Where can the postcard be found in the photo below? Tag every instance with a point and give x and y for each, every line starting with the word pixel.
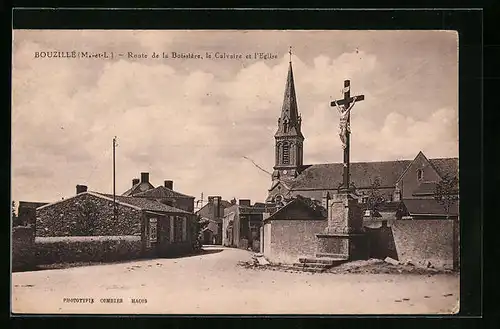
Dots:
pixel 235 172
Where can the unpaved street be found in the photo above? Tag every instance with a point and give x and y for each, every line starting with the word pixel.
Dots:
pixel 214 283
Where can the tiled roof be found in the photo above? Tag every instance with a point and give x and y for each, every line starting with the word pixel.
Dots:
pixel 329 176
pixel 425 188
pixel 428 207
pixel 161 192
pixel 138 188
pixel 146 204
pixel 445 165
pixel 317 211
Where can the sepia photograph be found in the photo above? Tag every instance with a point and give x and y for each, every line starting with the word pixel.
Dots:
pixel 235 172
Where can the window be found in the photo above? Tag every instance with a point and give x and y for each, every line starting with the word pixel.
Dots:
pixel 178 229
pixel 420 174
pixel 172 228
pixel 286 153
pixel 152 231
pixel 184 229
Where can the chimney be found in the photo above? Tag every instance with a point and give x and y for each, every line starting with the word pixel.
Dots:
pixel 169 184
pixel 81 189
pixel 135 181
pixel 324 200
pixel 233 201
pixel 217 206
pixel 144 177
pixel 245 202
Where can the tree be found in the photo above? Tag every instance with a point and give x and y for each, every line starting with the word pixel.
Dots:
pixel 14 216
pixel 374 197
pixel 446 195
pixel 446 192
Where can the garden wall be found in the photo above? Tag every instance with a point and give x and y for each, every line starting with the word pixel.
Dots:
pixel 50 250
pixel 23 251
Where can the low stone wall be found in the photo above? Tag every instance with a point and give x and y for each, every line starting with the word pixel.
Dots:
pixel 424 241
pixel 50 250
pixel 291 239
pixel 23 251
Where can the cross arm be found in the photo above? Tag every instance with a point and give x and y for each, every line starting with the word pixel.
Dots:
pixel 348 101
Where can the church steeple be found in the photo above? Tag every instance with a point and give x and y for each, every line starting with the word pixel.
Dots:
pixel 288 137
pixel 289 122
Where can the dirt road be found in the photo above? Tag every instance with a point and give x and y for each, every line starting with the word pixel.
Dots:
pixel 214 283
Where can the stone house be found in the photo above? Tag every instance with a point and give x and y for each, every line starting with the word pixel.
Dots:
pixel 241 224
pixel 213 212
pixel 163 229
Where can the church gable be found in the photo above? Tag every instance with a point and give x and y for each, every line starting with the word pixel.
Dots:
pixel 419 171
pixel 278 188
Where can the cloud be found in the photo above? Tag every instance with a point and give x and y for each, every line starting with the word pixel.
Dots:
pixel 194 126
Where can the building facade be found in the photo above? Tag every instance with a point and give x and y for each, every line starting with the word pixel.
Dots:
pixel 242 222
pixel 213 212
pixel 163 229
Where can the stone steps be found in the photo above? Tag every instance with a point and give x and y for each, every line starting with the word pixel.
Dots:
pixel 318 264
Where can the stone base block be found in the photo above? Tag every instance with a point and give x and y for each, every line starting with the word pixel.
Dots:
pixel 342 246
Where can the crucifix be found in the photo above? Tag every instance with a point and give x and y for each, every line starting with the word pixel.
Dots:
pixel 344 107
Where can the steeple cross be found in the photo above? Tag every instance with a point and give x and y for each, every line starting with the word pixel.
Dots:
pixel 290 52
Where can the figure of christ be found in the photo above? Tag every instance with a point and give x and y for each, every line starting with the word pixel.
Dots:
pixel 344 127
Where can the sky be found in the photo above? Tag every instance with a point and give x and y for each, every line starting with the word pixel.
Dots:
pixel 194 120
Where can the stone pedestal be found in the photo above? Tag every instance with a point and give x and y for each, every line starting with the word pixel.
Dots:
pixel 343 237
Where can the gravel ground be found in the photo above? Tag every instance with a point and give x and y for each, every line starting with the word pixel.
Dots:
pixel 216 283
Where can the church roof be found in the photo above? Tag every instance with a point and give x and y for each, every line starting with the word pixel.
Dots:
pixel 445 166
pixel 329 175
pixel 161 192
pixel 289 109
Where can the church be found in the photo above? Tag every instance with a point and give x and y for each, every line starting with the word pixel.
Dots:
pixel 397 180
pixel 309 223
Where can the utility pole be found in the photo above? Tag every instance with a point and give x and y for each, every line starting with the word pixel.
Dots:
pixel 114 179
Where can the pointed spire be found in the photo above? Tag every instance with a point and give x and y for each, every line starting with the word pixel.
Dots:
pixel 289 111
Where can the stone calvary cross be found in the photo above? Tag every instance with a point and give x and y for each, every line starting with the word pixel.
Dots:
pixel 344 106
